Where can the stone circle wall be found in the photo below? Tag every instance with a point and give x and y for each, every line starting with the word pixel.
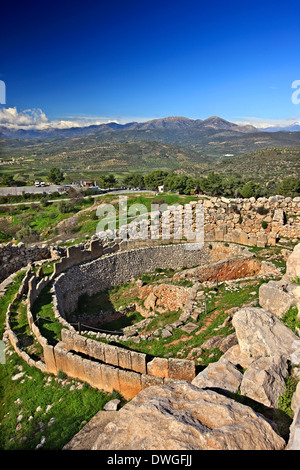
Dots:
pixel 117 268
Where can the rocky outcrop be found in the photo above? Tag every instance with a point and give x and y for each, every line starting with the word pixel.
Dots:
pixel 264 380
pixel 221 375
pixel 85 439
pixel 279 296
pixel 162 298
pixel 182 416
pixel 294 439
pixel 260 333
pixel 293 265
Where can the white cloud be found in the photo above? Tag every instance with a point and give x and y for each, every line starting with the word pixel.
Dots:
pixel 36 119
pixel 262 123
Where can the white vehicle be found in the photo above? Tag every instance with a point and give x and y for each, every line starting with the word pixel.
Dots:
pixel 37 183
pixel 43 183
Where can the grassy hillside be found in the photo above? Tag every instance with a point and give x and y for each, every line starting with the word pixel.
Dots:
pixel 264 165
pixel 83 158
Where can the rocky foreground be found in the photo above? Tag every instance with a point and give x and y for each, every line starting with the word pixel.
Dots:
pixel 202 415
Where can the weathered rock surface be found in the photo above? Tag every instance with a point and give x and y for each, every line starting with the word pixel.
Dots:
pixel 294 439
pixel 279 296
pixel 220 375
pixel 237 357
pixel 162 298
pixel 88 435
pixel 296 398
pixel 182 416
pixel 264 381
pixel 293 264
pixel 260 333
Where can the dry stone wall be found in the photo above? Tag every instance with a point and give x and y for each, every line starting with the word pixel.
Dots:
pixel 14 257
pixel 103 366
pixel 117 268
pixel 254 222
pixel 240 220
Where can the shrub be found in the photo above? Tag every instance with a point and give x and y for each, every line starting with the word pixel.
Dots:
pixel 61 375
pixel 262 210
pixel 27 234
pixel 65 207
pixel 264 224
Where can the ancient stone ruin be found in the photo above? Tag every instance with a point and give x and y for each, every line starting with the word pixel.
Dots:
pixel 201 407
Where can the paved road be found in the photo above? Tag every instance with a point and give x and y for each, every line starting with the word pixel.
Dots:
pixel 122 191
pixel 19 190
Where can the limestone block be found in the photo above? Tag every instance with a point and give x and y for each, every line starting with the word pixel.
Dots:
pixel 124 358
pixel 158 367
pixel 110 378
pixel 138 362
pixel 76 367
pixel 293 264
pixel 88 435
pixel 181 369
pixel 111 354
pixel 220 375
pixel 130 384
pixel 274 297
pixel 260 333
pixel 219 235
pixel 93 373
pixel 264 381
pixel 181 416
pixel 151 380
pixel 96 349
pixel 49 358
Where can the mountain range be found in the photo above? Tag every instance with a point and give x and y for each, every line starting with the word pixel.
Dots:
pixel 295 127
pixel 168 123
pixel 212 137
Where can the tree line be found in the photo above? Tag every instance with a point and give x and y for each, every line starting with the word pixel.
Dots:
pixel 214 184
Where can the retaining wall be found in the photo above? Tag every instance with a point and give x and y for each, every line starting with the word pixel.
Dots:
pixel 118 268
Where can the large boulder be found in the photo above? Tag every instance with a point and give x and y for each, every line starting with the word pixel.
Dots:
pixel 296 398
pixel 221 375
pixel 87 436
pixel 237 357
pixel 264 380
pixel 294 437
pixel 182 416
pixel 293 264
pixel 279 296
pixel 260 333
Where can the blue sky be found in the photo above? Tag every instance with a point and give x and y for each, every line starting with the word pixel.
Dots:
pixel 91 61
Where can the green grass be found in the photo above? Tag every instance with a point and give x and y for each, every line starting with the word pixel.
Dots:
pixel 70 409
pixel 130 319
pixel 7 298
pixel 43 315
pixel 107 300
pixel 162 320
pixel 290 319
pixel 20 327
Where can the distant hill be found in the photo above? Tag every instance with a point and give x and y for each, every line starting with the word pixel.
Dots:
pixel 85 155
pixel 213 137
pixel 292 128
pixel 168 123
pixel 263 165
